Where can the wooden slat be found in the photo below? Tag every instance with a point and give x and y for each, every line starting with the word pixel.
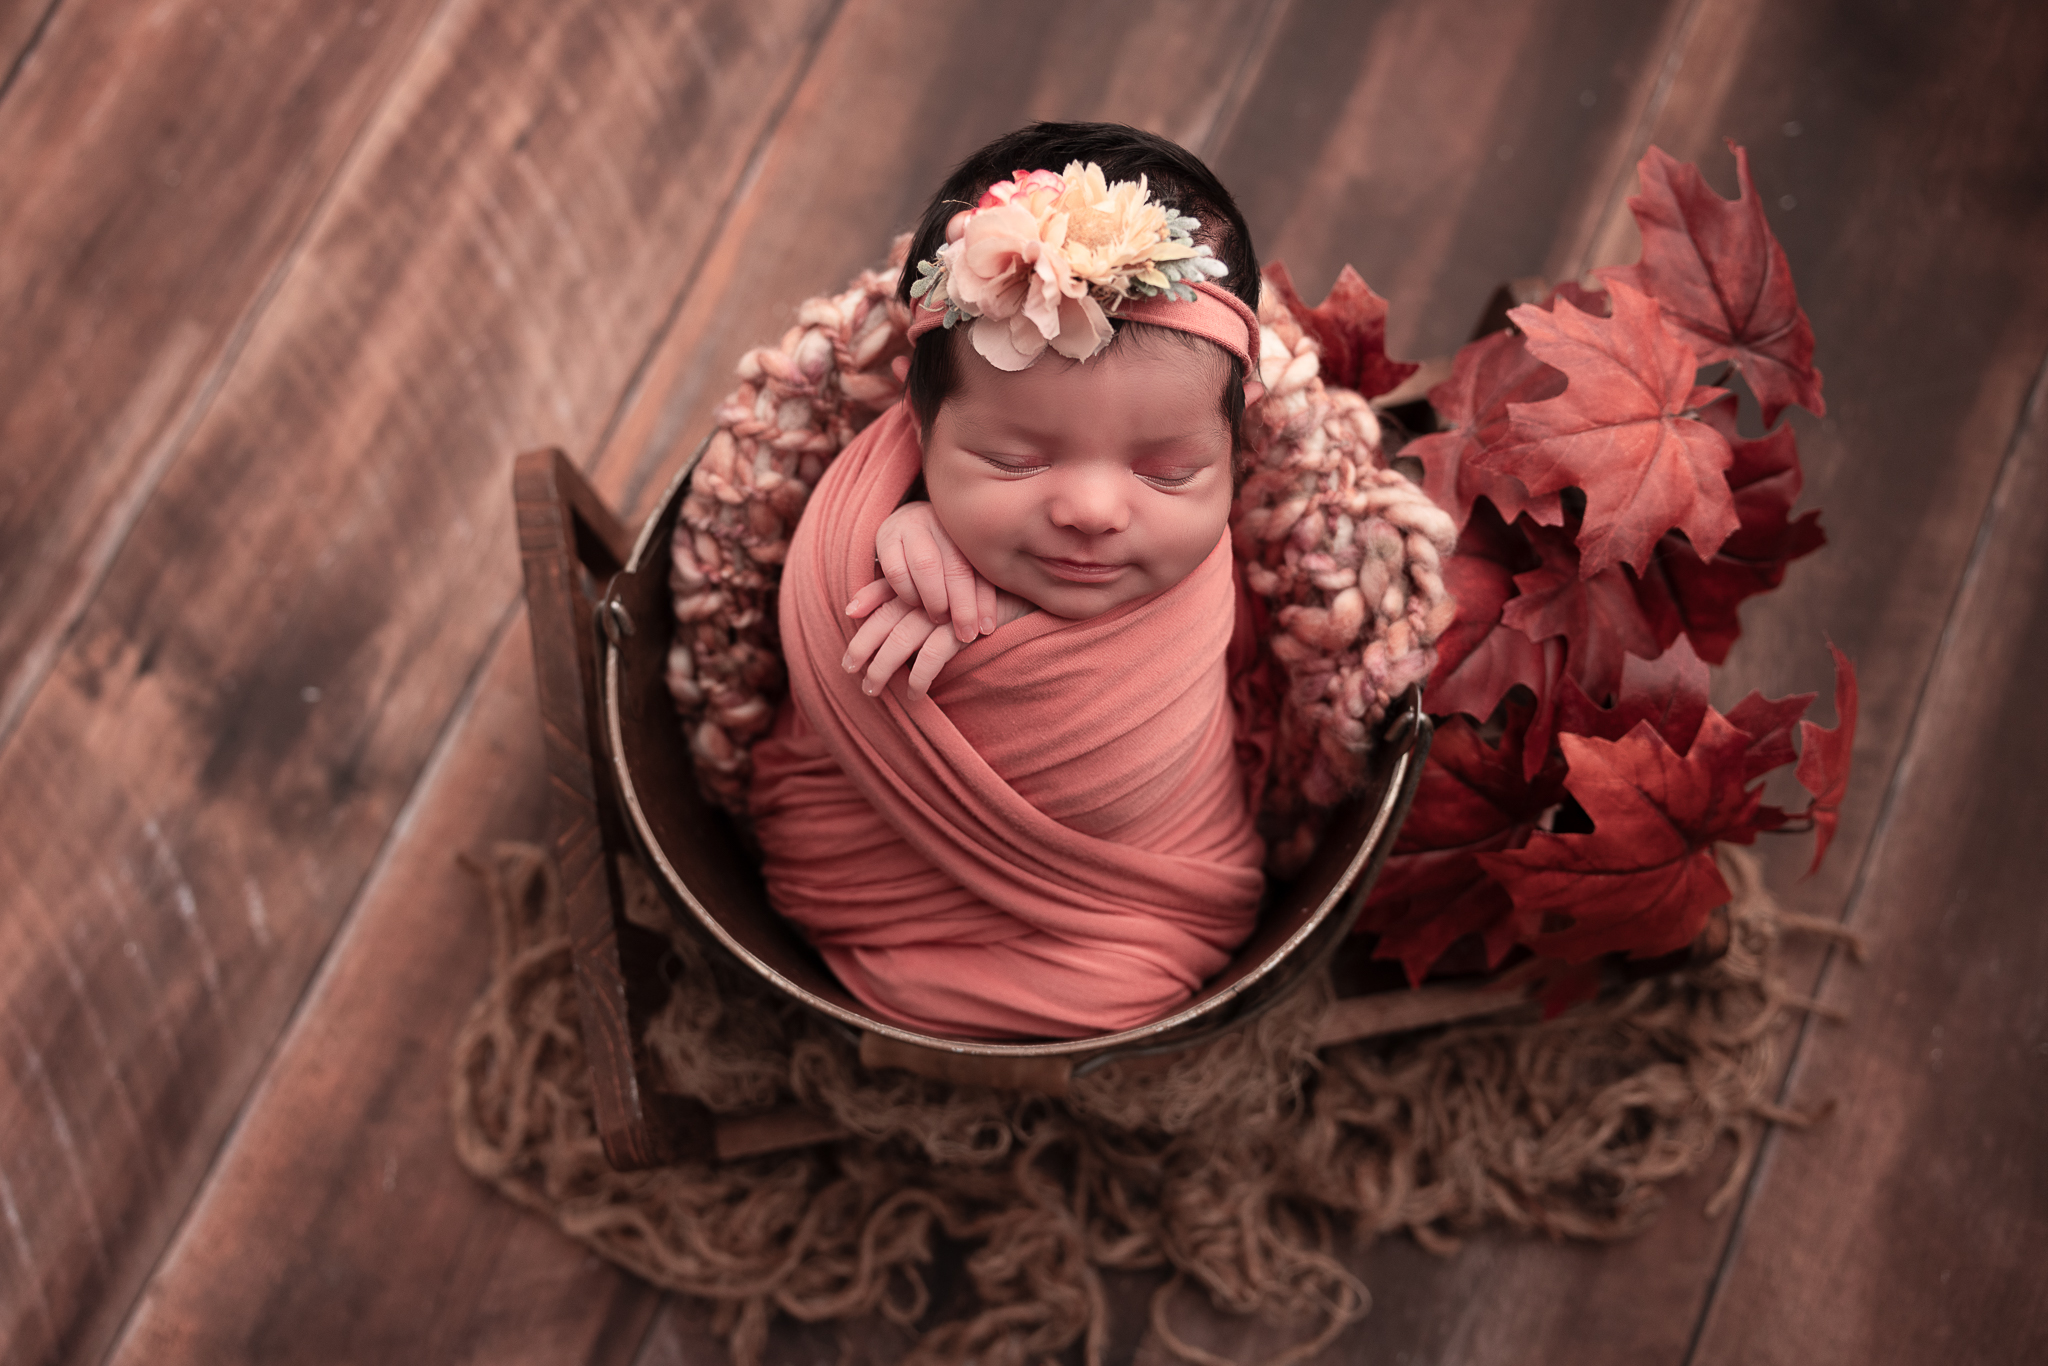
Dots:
pixel 1930 299
pixel 157 162
pixel 1441 148
pixel 1914 1228
pixel 340 1227
pixel 20 21
pixel 197 794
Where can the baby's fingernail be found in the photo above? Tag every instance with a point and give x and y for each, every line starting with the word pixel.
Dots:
pixel 988 624
pixel 847 663
pixel 964 632
pixel 868 688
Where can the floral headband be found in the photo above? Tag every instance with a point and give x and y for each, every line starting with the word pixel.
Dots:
pixel 1046 259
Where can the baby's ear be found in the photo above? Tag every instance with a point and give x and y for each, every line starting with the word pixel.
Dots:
pixel 1254 390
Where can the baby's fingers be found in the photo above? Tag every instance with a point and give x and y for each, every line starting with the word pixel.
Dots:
pixel 869 598
pixel 938 651
pixel 964 594
pixel 903 641
pixel 873 632
pixel 985 604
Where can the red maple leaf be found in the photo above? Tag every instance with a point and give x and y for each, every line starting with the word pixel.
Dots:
pixel 1599 616
pixel 1622 430
pixel 1683 594
pixel 1768 722
pixel 1472 405
pixel 1669 692
pixel 1644 881
pixel 1473 797
pixel 1824 757
pixel 1351 327
pixel 1478 659
pixel 1723 280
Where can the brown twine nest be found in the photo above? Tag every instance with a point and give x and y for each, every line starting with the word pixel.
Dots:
pixel 1238 1165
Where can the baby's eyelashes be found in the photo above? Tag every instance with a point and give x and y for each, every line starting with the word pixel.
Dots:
pixel 1008 466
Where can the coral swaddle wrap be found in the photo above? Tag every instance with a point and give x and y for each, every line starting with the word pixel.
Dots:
pixel 1055 843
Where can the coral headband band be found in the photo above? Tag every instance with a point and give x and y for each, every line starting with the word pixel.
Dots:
pixel 1216 315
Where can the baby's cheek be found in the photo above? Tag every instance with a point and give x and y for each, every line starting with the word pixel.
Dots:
pixel 968 524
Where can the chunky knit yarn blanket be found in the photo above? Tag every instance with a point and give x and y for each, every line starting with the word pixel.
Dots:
pixel 1343 552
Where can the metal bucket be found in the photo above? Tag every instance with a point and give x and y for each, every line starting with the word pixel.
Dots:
pixel 704 869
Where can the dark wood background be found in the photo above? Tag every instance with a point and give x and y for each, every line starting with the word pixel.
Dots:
pixel 283 287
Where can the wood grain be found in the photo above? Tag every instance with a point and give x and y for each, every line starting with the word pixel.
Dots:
pixel 340 1227
pixel 157 164
pixel 1915 1227
pixel 541 194
pixel 20 23
pixel 235 726
pixel 1441 148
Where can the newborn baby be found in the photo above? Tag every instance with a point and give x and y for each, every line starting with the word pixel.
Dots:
pixel 1043 829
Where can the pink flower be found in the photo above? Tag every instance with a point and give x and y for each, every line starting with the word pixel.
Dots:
pixel 1025 183
pixel 1006 267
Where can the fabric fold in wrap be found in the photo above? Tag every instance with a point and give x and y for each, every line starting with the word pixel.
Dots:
pixel 1055 843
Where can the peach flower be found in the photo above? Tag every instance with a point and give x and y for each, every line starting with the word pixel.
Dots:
pixel 1111 228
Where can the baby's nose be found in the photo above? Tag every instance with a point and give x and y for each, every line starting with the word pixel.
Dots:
pixel 1091 501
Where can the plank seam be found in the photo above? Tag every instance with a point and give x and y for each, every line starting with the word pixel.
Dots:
pixel 40 657
pixel 401 826
pixel 35 40
pixel 2033 412
pixel 1237 93
pixel 1639 140
pixel 750 172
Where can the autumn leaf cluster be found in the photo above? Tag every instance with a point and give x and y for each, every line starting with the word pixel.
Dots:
pixel 1612 519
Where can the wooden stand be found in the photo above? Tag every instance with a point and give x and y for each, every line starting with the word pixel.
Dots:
pixel 570 545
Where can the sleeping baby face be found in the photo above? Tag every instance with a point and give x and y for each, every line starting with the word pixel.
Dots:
pixel 1080 486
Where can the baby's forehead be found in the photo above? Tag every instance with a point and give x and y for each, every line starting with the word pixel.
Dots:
pixel 1153 392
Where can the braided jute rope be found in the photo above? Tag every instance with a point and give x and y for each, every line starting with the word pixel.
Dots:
pixel 1345 553
pixel 1239 1168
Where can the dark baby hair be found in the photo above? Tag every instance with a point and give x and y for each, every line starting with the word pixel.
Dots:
pixel 1175 177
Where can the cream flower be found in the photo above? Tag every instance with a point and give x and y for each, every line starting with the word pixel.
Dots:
pixel 1113 228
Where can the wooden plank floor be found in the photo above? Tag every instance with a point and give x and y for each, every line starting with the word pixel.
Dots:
pixel 283 287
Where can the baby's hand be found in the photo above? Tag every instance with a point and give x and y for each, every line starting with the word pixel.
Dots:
pixel 922 566
pixel 899 629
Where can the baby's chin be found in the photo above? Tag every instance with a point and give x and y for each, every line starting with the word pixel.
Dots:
pixel 1082 602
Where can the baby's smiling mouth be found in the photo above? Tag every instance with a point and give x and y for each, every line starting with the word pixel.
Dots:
pixel 1080 571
